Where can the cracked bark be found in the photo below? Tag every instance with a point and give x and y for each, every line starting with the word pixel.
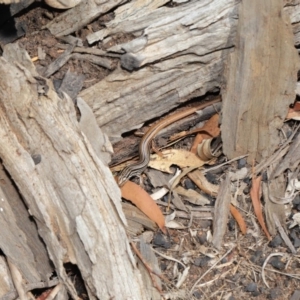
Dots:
pixel 69 192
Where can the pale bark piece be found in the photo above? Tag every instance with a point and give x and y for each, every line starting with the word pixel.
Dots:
pixel 97 138
pixel 130 12
pixel 296 295
pixel 6 284
pixel 62 4
pixel 59 62
pixel 19 237
pixel 178 202
pixel 99 61
pixel 70 193
pixel 221 212
pixel 192 196
pixel 71 84
pixel 274 189
pixel 79 16
pixel 157 178
pixel 151 259
pixel 191 28
pixel 204 215
pixel 257 100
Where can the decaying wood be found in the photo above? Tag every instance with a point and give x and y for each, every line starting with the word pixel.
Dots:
pixel 274 189
pixel 19 238
pixel 81 15
pixel 190 44
pixel 151 259
pixel 257 100
pixel 221 212
pixel 6 284
pixel 69 192
pixel 71 85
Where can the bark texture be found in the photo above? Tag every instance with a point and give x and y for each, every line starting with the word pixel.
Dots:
pixel 257 100
pixel 69 192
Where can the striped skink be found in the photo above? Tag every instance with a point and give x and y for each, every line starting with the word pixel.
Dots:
pixel 138 167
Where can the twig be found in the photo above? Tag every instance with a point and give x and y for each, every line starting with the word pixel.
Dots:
pixel 169 258
pixel 277 155
pixel 223 164
pixel 283 234
pixel 265 263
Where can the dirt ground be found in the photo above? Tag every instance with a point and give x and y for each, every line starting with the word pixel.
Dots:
pixel 237 275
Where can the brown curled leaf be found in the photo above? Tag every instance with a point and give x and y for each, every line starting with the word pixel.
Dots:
pixel 254 193
pixel 210 129
pixel 239 219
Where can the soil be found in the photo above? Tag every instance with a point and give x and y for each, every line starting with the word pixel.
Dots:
pixel 238 275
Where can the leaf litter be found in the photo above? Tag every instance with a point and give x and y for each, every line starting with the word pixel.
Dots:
pixel 236 197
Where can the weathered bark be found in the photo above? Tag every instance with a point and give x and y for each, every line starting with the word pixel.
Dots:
pixel 185 46
pixel 69 192
pixel 257 100
pixel 76 18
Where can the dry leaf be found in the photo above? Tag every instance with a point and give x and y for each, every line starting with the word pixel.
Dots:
pixel 178 203
pixel 175 225
pixel 144 202
pixel 181 158
pixel 211 128
pixel 88 125
pixel 294 113
pixel 204 150
pixel 239 219
pixel 254 193
pixel 192 196
pixel 203 184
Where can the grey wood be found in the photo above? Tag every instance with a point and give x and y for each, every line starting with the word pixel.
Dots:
pixel 70 193
pixel 255 102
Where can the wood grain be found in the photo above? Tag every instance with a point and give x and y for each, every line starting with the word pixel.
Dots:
pixel 257 100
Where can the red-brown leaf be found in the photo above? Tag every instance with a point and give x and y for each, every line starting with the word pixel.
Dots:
pixel 239 219
pixel 144 202
pixel 254 193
